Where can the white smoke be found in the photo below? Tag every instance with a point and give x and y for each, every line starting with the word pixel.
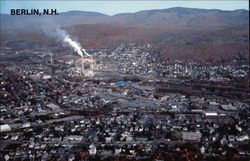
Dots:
pixel 86 52
pixel 66 38
pixel 75 46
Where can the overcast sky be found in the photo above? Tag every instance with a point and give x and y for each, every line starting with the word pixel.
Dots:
pixel 115 7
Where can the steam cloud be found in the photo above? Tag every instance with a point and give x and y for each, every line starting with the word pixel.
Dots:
pixel 66 38
pixel 85 52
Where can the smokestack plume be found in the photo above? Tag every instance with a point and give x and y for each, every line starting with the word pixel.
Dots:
pixel 85 52
pixel 76 46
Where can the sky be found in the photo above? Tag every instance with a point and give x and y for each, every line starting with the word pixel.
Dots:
pixel 115 7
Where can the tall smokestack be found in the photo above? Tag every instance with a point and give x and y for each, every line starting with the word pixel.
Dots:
pixel 51 58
